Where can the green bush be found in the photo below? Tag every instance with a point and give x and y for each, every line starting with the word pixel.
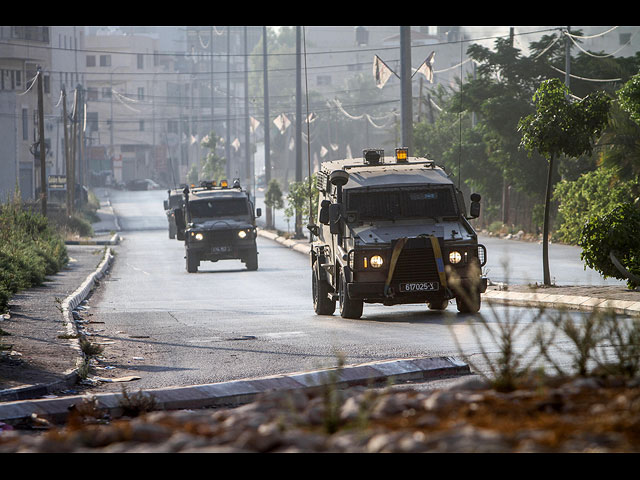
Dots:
pixel 593 194
pixel 616 231
pixel 30 249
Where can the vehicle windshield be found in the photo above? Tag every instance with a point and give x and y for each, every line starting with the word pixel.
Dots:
pixel 218 208
pixel 406 203
pixel 175 200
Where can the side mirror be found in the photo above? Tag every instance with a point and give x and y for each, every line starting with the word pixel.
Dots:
pixel 313 229
pixel 258 212
pixel 166 204
pixel 334 218
pixel 179 216
pixel 324 212
pixel 474 208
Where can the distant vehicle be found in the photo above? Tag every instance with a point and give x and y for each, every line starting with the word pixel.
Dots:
pixel 142 184
pixel 393 233
pixel 217 223
pixel 171 204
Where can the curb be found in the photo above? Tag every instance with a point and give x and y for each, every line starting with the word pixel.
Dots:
pixel 520 299
pixel 573 302
pixel 238 392
pixel 69 378
pixel 115 240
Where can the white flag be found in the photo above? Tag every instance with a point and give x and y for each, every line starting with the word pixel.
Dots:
pixel 381 72
pixel 254 124
pixel 236 144
pixel 323 151
pixel 282 122
pixel 427 67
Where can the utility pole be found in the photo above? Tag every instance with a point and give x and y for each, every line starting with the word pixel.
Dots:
pixel 71 182
pixel 405 88
pixel 247 140
pixel 43 152
pixel 298 122
pixel 567 59
pixel 267 142
pixel 67 161
pixel 227 143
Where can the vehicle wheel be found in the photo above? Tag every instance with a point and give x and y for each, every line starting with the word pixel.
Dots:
pixel 438 305
pixel 469 302
pixel 349 308
pixel 172 233
pixel 192 263
pixel 252 261
pixel 322 304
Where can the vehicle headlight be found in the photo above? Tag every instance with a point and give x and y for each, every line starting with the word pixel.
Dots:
pixel 454 257
pixel 242 234
pixel 199 236
pixel 376 261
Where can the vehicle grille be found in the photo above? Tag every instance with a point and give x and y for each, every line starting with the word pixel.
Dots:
pixel 416 264
pixel 220 237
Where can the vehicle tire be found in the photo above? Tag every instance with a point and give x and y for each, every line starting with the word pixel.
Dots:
pixel 192 263
pixel 349 308
pixel 438 304
pixel 469 302
pixel 322 304
pixel 252 261
pixel 172 232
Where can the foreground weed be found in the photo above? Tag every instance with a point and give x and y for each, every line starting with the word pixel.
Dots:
pixel 136 404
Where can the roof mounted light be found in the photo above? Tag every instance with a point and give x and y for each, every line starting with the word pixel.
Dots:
pixel 224 183
pixel 402 155
pixel 373 156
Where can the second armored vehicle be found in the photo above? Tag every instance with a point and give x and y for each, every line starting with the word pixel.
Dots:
pixel 218 223
pixel 393 232
pixel 173 202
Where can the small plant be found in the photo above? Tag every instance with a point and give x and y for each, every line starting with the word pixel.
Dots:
pixel 133 405
pixel 88 348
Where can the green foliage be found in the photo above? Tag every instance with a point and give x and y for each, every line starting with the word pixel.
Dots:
pixel 629 98
pixel 616 231
pixel 273 195
pixel 214 166
pixel 560 126
pixel 30 249
pixel 298 197
pixel 593 194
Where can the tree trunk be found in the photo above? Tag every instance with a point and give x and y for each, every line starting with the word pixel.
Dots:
pixel 545 231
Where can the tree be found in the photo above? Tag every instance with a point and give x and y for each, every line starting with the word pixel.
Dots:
pixel 560 127
pixel 298 198
pixel 273 198
pixel 214 166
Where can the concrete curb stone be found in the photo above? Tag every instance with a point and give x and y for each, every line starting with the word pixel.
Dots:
pixel 238 392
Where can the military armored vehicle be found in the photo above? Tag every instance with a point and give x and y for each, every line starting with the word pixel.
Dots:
pixel 175 201
pixel 218 223
pixel 393 232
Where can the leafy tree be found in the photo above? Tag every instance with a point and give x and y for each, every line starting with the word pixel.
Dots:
pixel 273 198
pixel 298 198
pixel 560 127
pixel 214 166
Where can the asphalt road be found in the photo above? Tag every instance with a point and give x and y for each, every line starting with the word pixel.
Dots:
pixel 172 328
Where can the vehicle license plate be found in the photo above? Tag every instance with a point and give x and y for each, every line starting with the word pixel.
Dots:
pixel 419 287
pixel 220 249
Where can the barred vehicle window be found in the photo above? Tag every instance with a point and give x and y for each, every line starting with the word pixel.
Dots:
pixel 223 207
pixel 414 202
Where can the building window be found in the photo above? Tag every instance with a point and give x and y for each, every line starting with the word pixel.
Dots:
pixel 92 121
pixel 140 93
pixel 106 92
pixel 140 60
pixel 91 60
pixel 142 125
pixel 105 60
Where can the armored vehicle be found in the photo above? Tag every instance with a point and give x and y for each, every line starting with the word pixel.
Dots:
pixel 218 223
pixel 175 201
pixel 393 232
